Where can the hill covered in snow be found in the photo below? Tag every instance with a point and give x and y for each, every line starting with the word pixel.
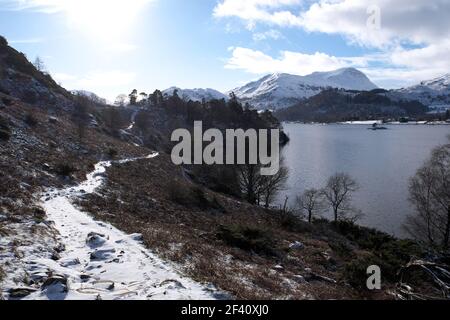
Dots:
pixel 431 92
pixel 281 90
pixel 196 94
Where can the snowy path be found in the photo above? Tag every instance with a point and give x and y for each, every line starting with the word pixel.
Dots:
pixel 101 262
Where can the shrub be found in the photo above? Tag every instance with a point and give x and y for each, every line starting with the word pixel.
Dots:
pixel 5 135
pixel 5 131
pixel 30 97
pixel 2 274
pixel 356 271
pixel 293 223
pixel 3 41
pixel 112 153
pixel 64 169
pixel 249 239
pixel 191 196
pixel 31 120
pixel 7 102
pixel 366 238
pixel 179 193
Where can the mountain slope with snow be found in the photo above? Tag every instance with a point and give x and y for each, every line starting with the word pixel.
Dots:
pixel 281 90
pixel 196 94
pixel 431 92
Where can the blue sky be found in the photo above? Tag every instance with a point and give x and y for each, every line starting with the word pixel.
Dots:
pixel 113 46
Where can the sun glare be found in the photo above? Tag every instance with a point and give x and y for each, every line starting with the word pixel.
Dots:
pixel 105 19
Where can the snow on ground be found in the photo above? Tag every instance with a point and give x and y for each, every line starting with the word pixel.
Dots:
pixel 368 122
pixel 95 260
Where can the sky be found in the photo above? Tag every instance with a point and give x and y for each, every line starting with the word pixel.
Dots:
pixel 113 46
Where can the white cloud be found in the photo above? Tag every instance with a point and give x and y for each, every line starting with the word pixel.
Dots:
pixel 106 84
pixel 257 62
pixel 415 21
pixel 389 70
pixel 27 41
pixel 412 37
pixel 101 79
pixel 270 34
pixel 254 11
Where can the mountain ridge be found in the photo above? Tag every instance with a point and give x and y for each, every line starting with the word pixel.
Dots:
pixel 281 90
pixel 196 94
pixel 431 92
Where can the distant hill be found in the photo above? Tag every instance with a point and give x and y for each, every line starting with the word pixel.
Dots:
pixel 282 90
pixel 431 92
pixel 197 95
pixel 334 105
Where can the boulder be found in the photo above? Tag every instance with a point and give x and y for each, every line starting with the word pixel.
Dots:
pixel 95 240
pixel 297 245
pixel 19 293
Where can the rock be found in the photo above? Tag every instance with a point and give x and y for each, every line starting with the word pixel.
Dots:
pixel 137 237
pixel 105 285
pixel 299 278
pixel 60 248
pixel 39 213
pixel 172 284
pixel 278 267
pixel 38 277
pixel 53 120
pixel 19 293
pixel 85 277
pixel 297 245
pixel 317 277
pixel 95 240
pixel 55 285
pixel 55 256
pixel 70 263
pixel 104 254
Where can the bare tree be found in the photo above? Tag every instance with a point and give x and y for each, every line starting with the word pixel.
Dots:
pixel 250 181
pixel 311 202
pixel 430 193
pixel 257 188
pixel 81 115
pixel 121 100
pixel 338 194
pixel 270 186
pixel 39 64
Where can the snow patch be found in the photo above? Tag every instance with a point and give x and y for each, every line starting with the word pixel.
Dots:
pixel 96 260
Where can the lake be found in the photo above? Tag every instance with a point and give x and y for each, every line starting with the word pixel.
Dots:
pixel 381 161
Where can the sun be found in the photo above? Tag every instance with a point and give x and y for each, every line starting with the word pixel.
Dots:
pixel 103 19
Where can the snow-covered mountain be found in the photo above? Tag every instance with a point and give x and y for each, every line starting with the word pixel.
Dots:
pixel 281 90
pixel 431 92
pixel 196 94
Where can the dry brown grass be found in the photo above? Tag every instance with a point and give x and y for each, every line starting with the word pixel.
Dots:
pixel 191 235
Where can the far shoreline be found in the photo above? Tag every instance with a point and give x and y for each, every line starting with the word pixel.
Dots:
pixel 371 122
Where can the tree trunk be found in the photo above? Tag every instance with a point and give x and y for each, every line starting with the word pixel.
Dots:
pixel 309 216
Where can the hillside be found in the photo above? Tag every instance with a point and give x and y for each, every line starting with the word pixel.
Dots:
pixel 340 105
pixel 280 90
pixel 432 92
pixel 92 207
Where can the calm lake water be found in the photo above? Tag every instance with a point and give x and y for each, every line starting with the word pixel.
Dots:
pixel 381 161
